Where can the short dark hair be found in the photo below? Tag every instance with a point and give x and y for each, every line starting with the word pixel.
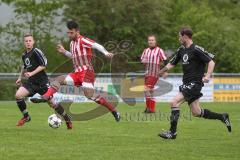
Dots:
pixel 186 31
pixel 72 25
pixel 27 35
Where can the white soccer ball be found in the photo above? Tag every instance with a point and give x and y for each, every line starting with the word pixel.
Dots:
pixel 54 121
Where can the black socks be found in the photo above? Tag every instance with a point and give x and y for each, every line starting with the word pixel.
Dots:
pixel 22 106
pixel 211 115
pixel 174 119
pixel 60 110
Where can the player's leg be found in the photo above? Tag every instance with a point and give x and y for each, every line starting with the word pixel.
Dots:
pixel 175 113
pixel 55 85
pixel 147 99
pixel 21 93
pixel 197 111
pixel 149 94
pixel 89 93
pixel 60 110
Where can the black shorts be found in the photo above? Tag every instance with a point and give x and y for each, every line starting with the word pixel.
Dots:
pixel 191 91
pixel 36 88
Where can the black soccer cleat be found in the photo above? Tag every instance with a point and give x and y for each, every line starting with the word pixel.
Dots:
pixel 168 135
pixel 116 115
pixel 227 122
pixel 41 99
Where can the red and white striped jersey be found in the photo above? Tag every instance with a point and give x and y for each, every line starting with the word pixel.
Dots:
pixel 152 58
pixel 81 50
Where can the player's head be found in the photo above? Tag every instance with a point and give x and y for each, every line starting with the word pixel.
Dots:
pixel 28 41
pixel 152 41
pixel 185 34
pixel 73 30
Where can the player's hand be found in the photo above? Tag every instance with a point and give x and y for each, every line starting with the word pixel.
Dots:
pixel 161 73
pixel 28 74
pixel 18 82
pixel 206 78
pixel 165 74
pixel 109 55
pixel 60 48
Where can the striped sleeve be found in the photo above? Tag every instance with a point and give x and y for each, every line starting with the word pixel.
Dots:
pixel 41 58
pixel 86 42
pixel 143 57
pixel 162 54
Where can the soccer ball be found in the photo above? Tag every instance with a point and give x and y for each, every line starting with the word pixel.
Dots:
pixel 54 121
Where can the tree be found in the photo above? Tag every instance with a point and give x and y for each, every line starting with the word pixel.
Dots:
pixel 36 17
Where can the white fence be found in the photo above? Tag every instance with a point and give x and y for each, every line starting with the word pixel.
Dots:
pixel 222 87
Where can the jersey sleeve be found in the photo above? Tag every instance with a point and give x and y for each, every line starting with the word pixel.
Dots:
pixel 203 55
pixel 143 56
pixel 162 54
pixel 176 58
pixel 86 42
pixel 40 57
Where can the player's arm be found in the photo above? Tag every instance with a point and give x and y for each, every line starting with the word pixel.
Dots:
pixel 18 82
pixel 206 57
pixel 62 50
pixel 101 49
pixel 211 65
pixel 165 69
pixel 176 58
pixel 163 62
pixel 37 70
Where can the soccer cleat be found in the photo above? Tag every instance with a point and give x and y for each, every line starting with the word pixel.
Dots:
pixel 22 121
pixel 117 116
pixel 168 135
pixel 41 99
pixel 226 120
pixel 69 125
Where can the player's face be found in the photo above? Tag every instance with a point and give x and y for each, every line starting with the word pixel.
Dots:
pixel 72 33
pixel 182 39
pixel 28 42
pixel 152 41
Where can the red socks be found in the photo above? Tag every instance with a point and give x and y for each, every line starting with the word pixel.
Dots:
pixel 150 104
pixel 50 92
pixel 105 103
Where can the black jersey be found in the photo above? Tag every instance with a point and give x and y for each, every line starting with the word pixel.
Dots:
pixel 31 61
pixel 194 60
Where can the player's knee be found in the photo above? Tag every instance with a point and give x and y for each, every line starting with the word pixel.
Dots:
pixel 55 84
pixel 174 103
pixel 18 96
pixel 88 94
pixel 196 113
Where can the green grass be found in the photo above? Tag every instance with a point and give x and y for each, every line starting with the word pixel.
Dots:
pixel 104 139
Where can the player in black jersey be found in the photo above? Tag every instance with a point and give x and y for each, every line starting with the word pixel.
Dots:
pixel 194 60
pixel 34 64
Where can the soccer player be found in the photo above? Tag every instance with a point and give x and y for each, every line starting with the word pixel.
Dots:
pixel 81 55
pixel 194 60
pixel 152 57
pixel 35 63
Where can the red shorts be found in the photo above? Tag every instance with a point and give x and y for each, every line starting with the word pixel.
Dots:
pixel 150 81
pixel 84 76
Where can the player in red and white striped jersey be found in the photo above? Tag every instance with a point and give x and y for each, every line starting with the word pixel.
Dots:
pixel 81 55
pixel 152 57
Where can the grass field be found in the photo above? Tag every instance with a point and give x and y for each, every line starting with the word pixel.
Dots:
pixel 104 139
